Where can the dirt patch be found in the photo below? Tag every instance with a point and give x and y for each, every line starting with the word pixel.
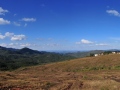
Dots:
pixel 16 88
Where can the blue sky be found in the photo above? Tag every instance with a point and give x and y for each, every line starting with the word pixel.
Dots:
pixel 60 24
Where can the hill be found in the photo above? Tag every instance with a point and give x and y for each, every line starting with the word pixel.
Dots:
pixel 28 51
pixel 90 73
pixel 11 59
pixel 85 53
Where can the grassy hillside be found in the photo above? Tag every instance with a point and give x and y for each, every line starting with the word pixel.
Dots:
pixel 91 73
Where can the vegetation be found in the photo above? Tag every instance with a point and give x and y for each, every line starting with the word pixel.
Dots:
pixel 91 54
pixel 13 59
pixel 107 52
pixel 85 53
pixel 90 73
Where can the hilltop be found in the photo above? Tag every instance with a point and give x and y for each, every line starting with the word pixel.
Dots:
pixel 90 73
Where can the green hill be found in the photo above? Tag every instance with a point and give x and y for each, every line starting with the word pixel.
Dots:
pixel 11 59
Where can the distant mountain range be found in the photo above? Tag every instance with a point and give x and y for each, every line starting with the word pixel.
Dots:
pixel 11 58
pixel 82 54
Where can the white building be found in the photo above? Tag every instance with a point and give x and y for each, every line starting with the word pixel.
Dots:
pixel 113 52
pixel 96 55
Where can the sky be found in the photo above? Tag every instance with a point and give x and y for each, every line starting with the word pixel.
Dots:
pixel 49 25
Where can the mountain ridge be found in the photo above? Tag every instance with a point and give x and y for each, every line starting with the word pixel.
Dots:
pixel 11 59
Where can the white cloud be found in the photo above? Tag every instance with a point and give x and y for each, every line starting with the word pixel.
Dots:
pixel 2 36
pixel 8 34
pixel 11 44
pixel 13 37
pixel 29 19
pixel 102 44
pixel 25 45
pixel 115 38
pixel 78 42
pixel 53 44
pixel 3 22
pixel 16 24
pixel 113 12
pixel 18 37
pixel 2 11
pixel 3 44
pixel 86 41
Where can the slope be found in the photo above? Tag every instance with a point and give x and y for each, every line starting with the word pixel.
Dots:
pixel 91 73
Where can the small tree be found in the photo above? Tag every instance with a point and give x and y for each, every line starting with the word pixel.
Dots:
pixel 107 52
pixel 91 54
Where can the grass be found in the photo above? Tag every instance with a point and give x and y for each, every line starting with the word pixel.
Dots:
pixel 91 73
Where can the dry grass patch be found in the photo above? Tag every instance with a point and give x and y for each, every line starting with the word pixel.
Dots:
pixel 91 73
pixel 101 85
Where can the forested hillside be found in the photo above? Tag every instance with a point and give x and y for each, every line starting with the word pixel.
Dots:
pixel 11 59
